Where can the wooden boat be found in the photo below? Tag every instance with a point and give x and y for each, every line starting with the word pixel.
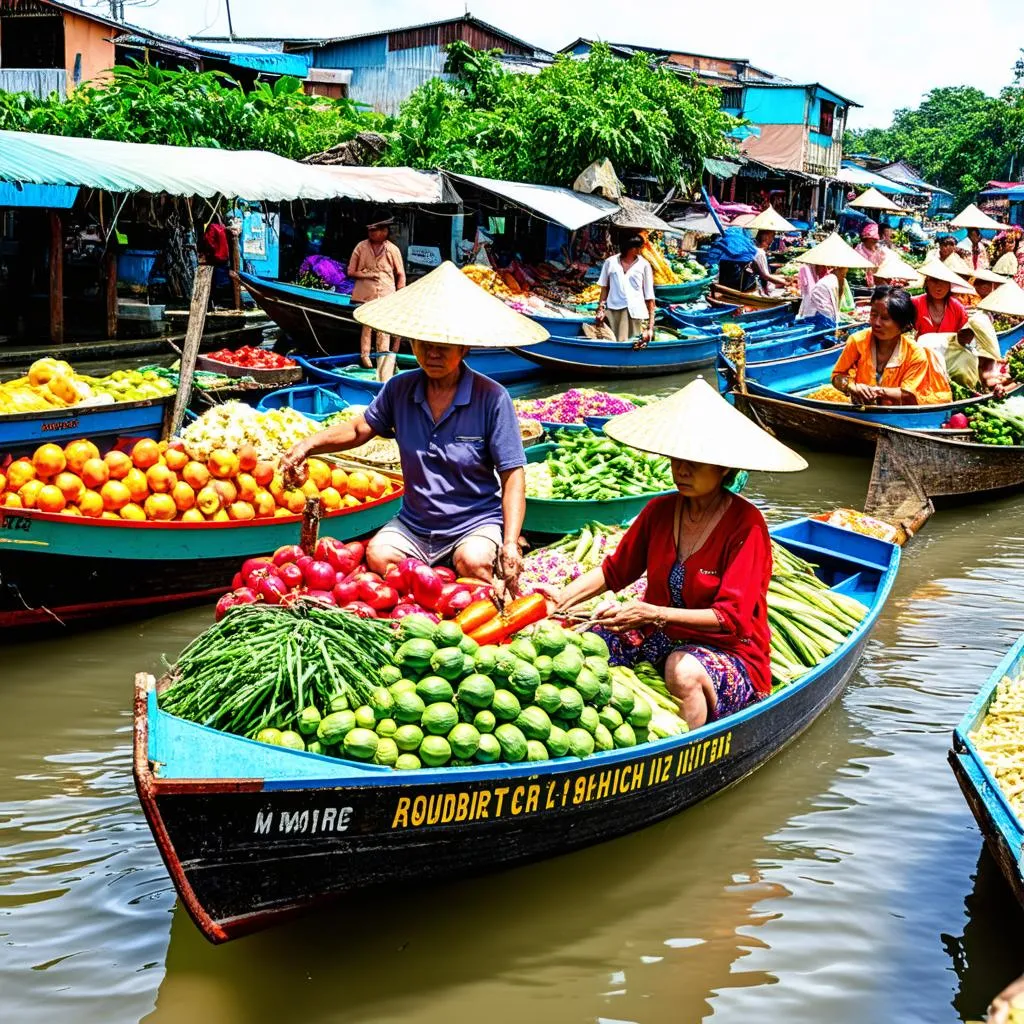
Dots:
pixel 57 568
pixel 501 364
pixel 685 291
pixel 714 316
pixel 720 295
pixel 252 833
pixel 309 317
pixel 23 432
pixel 313 400
pixel 266 377
pixel 999 823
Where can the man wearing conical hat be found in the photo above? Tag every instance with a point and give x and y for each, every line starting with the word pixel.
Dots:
pixel 706 552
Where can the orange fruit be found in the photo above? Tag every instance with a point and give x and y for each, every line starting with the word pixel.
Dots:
pixel 247 486
pixel 71 510
pixel 242 511
pixel 49 460
pixel 115 495
pixel 183 495
pixel 196 475
pixel 146 453
pixel 220 517
pixel 95 473
pixel 160 507
pixel 176 458
pixel 29 492
pixel 310 489
pixel 378 484
pixel 192 515
pixel 227 490
pixel 3 483
pixel 222 463
pixel 349 502
pixel 331 498
pixel 11 500
pixel 132 512
pixel 19 473
pixel 247 458
pixel 264 503
pixel 339 480
pixel 263 473
pixel 295 501
pixel 319 473
pixel 358 485
pixel 50 499
pixel 208 500
pixel 118 463
pixel 276 486
pixel 137 484
pixel 161 480
pixel 90 504
pixel 110 515
pixel 282 513
pixel 78 453
pixel 71 486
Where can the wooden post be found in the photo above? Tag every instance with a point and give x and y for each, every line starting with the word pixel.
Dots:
pixel 56 278
pixel 233 248
pixel 190 347
pixel 110 280
pixel 310 525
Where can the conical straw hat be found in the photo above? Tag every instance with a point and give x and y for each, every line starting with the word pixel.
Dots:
pixel 984 274
pixel 1007 299
pixel 769 219
pixel 447 308
pixel 938 271
pixel 698 425
pixel 895 269
pixel 834 252
pixel 972 217
pixel 874 200
pixel 958 265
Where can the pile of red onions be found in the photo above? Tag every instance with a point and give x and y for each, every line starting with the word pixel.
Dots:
pixel 572 406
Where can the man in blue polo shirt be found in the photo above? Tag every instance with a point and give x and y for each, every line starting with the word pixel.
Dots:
pixel 462 461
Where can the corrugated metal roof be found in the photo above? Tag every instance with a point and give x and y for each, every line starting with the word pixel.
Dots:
pixel 185 171
pixel 573 210
pixel 851 174
pixel 239 55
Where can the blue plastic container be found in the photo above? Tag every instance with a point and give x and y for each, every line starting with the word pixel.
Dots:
pixel 135 265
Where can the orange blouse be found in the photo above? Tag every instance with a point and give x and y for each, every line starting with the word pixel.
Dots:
pixel 910 369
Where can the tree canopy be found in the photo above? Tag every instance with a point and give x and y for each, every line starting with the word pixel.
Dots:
pixel 958 138
pixel 187 108
pixel 546 127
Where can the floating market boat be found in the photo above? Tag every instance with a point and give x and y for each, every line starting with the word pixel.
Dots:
pixel 722 296
pixel 711 318
pixel 252 833
pixel 1000 824
pixel 685 291
pixel 23 431
pixel 57 568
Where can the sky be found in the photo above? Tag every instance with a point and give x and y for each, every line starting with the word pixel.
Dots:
pixel 884 54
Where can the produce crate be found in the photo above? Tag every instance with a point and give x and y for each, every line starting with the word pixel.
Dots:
pixel 550 515
pixel 287 375
pixel 531 431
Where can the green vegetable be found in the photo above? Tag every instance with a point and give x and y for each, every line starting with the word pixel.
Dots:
pixel 505 705
pixel 534 723
pixel 548 698
pixel 588 684
pixel 366 717
pixel 610 718
pixel 589 719
pixel 447 634
pixel 603 739
pixel 485 721
pixel 549 639
pixel 568 663
pixel 271 736
pixel 489 750
pixel 403 685
pixel 622 699
pixel 485 659
pixel 333 728
pixel 597 665
pixel 434 689
pixel 544 667
pixel 360 744
pixel 435 751
pixel 572 702
pixel 624 736
pixel 557 742
pixel 439 719
pixel 512 741
pixel 390 674
pixel 339 702
pixel 505 663
pixel 524 680
pixel 594 645
pixel 476 691
pixel 292 740
pixel 382 703
pixel 416 654
pixel 314 747
pixel 408 762
pixel 409 706
pixel 640 716
pixel 416 627
pixel 581 743
pixel 308 720
pixel 536 751
pixel 523 649
pixel 386 752
pixel 464 740
pixel 408 737
pixel 469 646
pixel 448 662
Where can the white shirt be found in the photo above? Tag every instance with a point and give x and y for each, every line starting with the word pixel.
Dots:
pixel 761 260
pixel 631 288
pixel 823 298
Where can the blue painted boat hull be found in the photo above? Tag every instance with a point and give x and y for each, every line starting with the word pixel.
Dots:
pixel 708 319
pixel 998 821
pixel 22 433
pixel 252 833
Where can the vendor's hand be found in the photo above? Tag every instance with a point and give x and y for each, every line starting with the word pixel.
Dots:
pixel 862 394
pixel 599 318
pixel 627 616
pixel 293 466
pixel 511 566
pixel 1001 386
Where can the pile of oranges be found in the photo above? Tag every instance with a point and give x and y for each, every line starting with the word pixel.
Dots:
pixel 158 481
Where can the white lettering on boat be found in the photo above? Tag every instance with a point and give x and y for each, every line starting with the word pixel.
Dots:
pixel 532 797
pixel 317 822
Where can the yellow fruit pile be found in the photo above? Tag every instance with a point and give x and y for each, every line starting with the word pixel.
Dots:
pixel 500 283
pixel 161 482
pixel 663 272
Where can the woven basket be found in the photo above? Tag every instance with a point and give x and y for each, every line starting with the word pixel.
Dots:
pixel 530 431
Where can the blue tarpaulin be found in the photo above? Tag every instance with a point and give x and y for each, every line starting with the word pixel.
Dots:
pixel 734 245
pixel 53 197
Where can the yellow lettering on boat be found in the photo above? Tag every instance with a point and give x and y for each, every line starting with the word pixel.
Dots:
pixel 579 791
pixel 516 800
pixel 419 810
pixel 549 802
pixel 500 794
pixel 402 813
pixel 591 780
pixel 485 800
pixel 462 807
pixel 604 785
pixel 532 798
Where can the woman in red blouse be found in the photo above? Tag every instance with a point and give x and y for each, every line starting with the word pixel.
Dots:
pixel 937 311
pixel 706 552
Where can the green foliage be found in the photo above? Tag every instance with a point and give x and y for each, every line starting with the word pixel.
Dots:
pixel 186 108
pixel 546 128
pixel 958 138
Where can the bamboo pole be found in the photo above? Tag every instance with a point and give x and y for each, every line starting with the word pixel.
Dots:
pixel 56 278
pixel 110 283
pixel 190 347
pixel 234 247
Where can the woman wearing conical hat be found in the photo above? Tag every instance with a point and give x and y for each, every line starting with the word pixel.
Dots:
pixel 703 621
pixel 937 311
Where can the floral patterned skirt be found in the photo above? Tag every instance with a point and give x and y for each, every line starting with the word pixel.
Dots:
pixel 727 673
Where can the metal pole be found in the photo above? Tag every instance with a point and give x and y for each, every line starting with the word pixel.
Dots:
pixel 231 28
